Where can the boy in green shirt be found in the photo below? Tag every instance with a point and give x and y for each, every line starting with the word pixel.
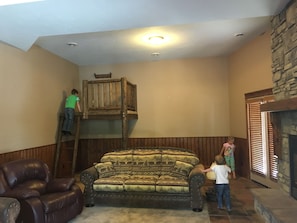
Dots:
pixel 71 102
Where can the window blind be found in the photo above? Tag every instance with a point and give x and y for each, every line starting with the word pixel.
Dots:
pixel 261 138
pixel 255 139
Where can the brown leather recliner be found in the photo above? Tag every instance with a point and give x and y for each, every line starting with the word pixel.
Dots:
pixel 42 198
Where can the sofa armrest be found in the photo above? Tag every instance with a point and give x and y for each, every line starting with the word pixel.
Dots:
pixel 196 170
pixel 196 181
pixel 87 177
pixel 21 194
pixel 9 209
pixel 60 184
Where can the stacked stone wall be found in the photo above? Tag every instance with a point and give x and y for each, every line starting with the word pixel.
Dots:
pixel 284 77
pixel 284 52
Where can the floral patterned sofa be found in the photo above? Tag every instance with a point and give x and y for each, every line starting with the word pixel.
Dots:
pixel 9 209
pixel 162 177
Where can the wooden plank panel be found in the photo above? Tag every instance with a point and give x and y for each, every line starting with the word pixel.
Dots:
pixel 205 147
pixel 90 97
pixel 100 95
pixel 95 97
pixel 118 90
pixel 111 94
pixel 106 96
pixel 91 150
pixel 44 153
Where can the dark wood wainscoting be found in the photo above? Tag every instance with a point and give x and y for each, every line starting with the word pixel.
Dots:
pixel 44 153
pixel 91 150
pixel 242 158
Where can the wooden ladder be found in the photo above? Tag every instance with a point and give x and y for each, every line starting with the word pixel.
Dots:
pixel 73 149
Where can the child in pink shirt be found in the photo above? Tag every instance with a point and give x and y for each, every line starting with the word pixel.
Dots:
pixel 227 151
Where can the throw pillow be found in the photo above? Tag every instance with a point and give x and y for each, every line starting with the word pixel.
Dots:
pixel 211 175
pixel 181 169
pixel 105 169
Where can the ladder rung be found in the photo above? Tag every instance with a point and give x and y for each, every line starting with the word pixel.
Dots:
pixel 73 148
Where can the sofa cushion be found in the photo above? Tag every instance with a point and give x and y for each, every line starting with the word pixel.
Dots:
pixel 113 183
pixel 60 184
pixel 170 184
pixel 38 185
pixel 22 193
pixel 105 169
pixel 121 161
pixel 141 183
pixel 169 155
pixel 146 164
pixel 181 170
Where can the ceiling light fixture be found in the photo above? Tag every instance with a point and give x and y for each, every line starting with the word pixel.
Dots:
pixel 238 34
pixel 156 39
pixel 14 2
pixel 155 54
pixel 72 44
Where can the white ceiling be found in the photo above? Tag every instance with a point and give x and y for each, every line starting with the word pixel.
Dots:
pixel 113 31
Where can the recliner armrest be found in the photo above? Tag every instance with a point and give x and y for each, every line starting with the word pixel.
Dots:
pixel 60 184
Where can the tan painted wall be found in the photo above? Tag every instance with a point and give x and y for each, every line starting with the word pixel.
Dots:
pixel 33 85
pixel 177 98
pixel 250 70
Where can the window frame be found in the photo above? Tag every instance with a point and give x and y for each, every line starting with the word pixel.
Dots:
pixel 264 162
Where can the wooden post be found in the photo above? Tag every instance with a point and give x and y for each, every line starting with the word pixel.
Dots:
pixel 58 145
pixel 85 99
pixel 124 112
pixel 75 149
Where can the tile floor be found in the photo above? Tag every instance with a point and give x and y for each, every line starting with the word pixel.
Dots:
pixel 242 203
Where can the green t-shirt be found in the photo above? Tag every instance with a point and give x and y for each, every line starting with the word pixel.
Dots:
pixel 71 101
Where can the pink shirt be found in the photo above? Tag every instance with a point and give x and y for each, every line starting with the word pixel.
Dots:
pixel 228 149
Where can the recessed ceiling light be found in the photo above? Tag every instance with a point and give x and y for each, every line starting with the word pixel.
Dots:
pixel 72 44
pixel 155 54
pixel 238 34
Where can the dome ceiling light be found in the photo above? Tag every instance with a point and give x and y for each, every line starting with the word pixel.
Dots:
pixel 156 39
pixel 238 34
pixel 72 44
pixel 155 54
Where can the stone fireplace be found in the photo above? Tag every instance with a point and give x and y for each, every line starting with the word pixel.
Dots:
pixel 284 109
pixel 293 166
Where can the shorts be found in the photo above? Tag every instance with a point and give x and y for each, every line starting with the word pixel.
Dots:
pixel 230 162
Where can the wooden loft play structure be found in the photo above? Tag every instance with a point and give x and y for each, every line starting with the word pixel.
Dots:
pixel 110 99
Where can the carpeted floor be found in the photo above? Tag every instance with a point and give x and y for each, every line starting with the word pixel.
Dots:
pixel 101 214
